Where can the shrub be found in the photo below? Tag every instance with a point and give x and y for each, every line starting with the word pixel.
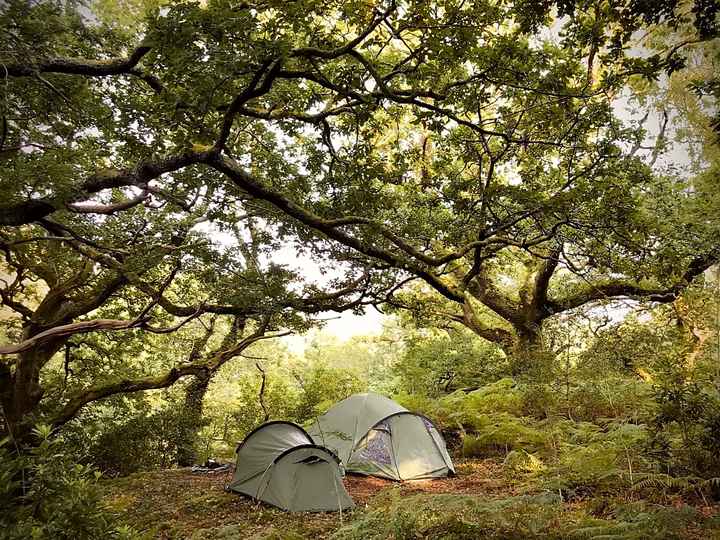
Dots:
pixel 139 442
pixel 420 403
pixel 322 387
pixel 597 460
pixel 610 398
pixel 44 494
pixel 498 397
pixel 685 429
pixel 635 521
pixel 461 409
pixel 435 362
pixel 459 517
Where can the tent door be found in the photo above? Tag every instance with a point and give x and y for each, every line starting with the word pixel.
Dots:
pixel 416 453
pixel 374 454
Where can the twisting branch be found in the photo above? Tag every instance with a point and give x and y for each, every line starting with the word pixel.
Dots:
pixel 660 140
pixel 26 212
pixel 94 393
pixel 175 327
pixel 328 227
pixel 624 289
pixel 314 302
pixel 196 368
pixel 152 81
pixel 93 325
pixel 543 276
pixel 72 66
pixel 313 52
pixel 259 85
pixel 66 330
pixel 88 68
pixel 163 287
pixel 261 394
pixel 107 209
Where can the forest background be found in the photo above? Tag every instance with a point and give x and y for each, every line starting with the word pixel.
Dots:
pixel 526 191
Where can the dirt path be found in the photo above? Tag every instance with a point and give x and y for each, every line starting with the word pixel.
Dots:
pixel 479 477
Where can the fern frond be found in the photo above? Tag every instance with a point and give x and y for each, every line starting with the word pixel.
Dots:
pixel 664 481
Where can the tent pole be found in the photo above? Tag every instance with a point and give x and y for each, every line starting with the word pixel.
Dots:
pixel 337 493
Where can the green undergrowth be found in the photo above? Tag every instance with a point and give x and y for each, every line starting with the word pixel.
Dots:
pixel 546 515
pixel 598 402
pixel 578 440
pixel 531 462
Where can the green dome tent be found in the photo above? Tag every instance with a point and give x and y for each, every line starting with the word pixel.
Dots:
pixel 278 463
pixel 375 436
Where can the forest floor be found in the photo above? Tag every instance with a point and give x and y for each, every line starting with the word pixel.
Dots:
pixel 179 504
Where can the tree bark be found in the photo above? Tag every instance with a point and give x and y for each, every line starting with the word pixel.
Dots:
pixel 527 350
pixel 191 420
pixel 21 392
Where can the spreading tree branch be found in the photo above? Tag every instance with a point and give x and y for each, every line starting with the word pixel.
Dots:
pixel 67 330
pixel 623 289
pixel 23 213
pixel 199 369
pixel 88 68
pixel 72 66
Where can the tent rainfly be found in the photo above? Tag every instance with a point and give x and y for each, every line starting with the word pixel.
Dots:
pixel 278 463
pixel 375 436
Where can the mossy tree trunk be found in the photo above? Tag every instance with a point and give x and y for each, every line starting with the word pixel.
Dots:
pixel 191 420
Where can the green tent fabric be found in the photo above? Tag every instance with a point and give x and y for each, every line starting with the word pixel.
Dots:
pixel 376 436
pixel 278 463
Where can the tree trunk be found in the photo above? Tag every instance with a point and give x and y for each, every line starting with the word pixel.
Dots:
pixel 20 391
pixel 528 352
pixel 6 384
pixel 191 420
pixel 523 346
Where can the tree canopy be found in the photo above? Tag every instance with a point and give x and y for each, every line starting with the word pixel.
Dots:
pixel 153 172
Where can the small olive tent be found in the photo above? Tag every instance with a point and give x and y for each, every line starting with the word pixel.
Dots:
pixel 375 436
pixel 278 463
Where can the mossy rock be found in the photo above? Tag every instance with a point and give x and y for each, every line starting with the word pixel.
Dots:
pixel 522 461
